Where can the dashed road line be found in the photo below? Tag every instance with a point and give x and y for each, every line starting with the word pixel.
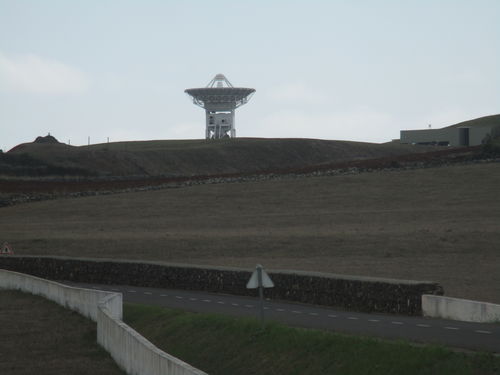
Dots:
pixel 221 302
pixel 397 323
pixel 148 293
pixel 206 300
pixel 332 316
pixel 235 304
pixel 179 297
pixel 374 320
pixel 352 318
pixel 313 314
pixel 484 332
pixel 423 325
pixel 297 312
pixel 452 328
pixel 163 295
pixel 193 299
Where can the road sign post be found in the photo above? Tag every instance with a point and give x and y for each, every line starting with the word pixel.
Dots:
pixel 260 279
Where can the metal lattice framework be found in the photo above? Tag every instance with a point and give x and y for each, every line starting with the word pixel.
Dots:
pixel 219 99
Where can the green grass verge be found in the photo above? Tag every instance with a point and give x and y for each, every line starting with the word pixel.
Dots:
pixel 222 345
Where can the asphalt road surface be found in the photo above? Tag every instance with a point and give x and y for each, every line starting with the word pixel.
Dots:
pixel 464 335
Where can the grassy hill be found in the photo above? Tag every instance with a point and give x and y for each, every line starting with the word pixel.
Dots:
pixel 438 224
pixel 488 121
pixel 187 157
pixel 47 157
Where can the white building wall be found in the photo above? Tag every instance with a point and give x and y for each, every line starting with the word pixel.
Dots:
pixel 477 135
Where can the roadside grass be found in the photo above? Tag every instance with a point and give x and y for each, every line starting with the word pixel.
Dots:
pixel 39 337
pixel 238 346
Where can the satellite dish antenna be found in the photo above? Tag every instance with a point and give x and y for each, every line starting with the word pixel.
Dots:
pixel 220 99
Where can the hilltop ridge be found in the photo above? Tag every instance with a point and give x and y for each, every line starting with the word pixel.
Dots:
pixel 191 157
pixel 197 157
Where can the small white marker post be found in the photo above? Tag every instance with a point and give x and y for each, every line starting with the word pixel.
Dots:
pixel 260 279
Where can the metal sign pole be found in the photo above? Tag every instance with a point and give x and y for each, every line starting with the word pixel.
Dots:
pixel 260 279
pixel 261 294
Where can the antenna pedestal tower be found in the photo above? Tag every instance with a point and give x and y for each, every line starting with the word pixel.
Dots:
pixel 220 99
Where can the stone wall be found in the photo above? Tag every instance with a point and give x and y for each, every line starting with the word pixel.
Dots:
pixel 351 293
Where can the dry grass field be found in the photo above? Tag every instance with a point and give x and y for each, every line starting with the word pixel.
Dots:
pixel 40 337
pixel 440 224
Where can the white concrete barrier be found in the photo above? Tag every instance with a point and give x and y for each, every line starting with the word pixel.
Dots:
pixel 136 354
pixel 460 309
pixel 131 351
pixel 84 301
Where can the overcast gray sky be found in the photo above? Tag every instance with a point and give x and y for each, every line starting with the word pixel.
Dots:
pixel 350 70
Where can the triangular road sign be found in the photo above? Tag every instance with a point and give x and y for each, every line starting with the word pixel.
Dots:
pixel 253 283
pixel 6 249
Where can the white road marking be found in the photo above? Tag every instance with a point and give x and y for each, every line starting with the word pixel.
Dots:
pixel 485 332
pixel 423 325
pixel 296 312
pixel 374 320
pixel 148 293
pixel 332 316
pixel 179 297
pixel 163 295
pixel 313 314
pixel 193 299
pixel 221 303
pixel 352 318
pixel 207 300
pixel 454 328
pixel 398 323
pixel 131 291
pixel 235 304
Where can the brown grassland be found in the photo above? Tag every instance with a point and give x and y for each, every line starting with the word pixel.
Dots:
pixel 439 224
pixel 40 337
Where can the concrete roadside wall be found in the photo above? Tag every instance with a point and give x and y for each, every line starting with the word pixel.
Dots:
pixel 131 351
pixel 134 353
pixel 364 294
pixel 84 301
pixel 460 309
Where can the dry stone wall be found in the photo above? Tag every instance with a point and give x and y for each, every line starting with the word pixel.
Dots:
pixel 351 293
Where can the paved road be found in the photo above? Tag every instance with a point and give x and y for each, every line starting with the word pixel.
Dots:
pixel 472 336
